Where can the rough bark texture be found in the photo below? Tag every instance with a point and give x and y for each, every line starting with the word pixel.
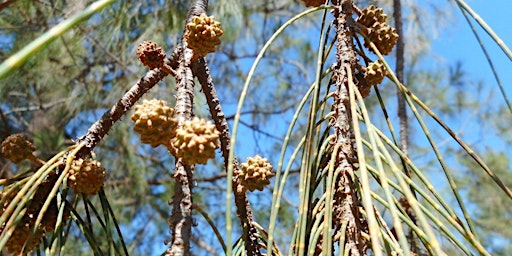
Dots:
pixel 402 111
pixel 101 127
pixel 184 89
pixel 181 218
pixel 243 207
pixel 197 7
pixel 202 72
pixel 346 200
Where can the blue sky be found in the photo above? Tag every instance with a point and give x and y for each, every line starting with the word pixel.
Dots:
pixel 457 42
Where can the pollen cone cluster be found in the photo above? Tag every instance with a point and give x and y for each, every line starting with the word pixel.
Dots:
pixel 196 141
pixel 255 173
pixel 155 122
pixel 150 54
pixel 375 73
pixel 377 30
pixel 203 34
pixel 86 176
pixel 17 148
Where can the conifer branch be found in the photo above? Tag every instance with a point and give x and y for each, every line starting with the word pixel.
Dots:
pixel 181 218
pixel 197 7
pixel 243 207
pixel 399 71
pixel 346 198
pixel 101 127
pixel 202 72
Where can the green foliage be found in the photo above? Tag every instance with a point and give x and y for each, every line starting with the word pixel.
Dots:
pixel 61 90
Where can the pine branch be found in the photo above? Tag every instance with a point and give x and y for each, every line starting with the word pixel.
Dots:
pixel 346 198
pixel 402 111
pixel 100 128
pixel 197 7
pixel 6 3
pixel 181 218
pixel 243 207
pixel 202 72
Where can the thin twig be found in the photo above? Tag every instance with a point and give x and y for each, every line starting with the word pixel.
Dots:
pixel 402 111
pixel 180 220
pixel 346 198
pixel 244 211
pixel 101 127
pixel 202 72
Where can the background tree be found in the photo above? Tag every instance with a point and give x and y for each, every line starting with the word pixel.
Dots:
pixel 55 96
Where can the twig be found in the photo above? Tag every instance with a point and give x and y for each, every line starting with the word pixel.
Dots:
pixel 101 127
pixel 181 218
pixel 244 211
pixel 206 246
pixel 202 72
pixel 346 198
pixel 402 111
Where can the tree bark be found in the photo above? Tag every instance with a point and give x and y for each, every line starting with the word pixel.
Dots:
pixel 346 199
pixel 399 71
pixel 243 207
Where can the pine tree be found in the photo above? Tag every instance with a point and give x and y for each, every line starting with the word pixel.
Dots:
pixel 305 82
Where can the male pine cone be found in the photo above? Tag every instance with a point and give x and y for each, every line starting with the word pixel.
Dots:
pixel 203 34
pixel 196 141
pixel 373 75
pixel 377 30
pixel 150 54
pixel 17 148
pixel 255 173
pixel 155 122
pixel 86 176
